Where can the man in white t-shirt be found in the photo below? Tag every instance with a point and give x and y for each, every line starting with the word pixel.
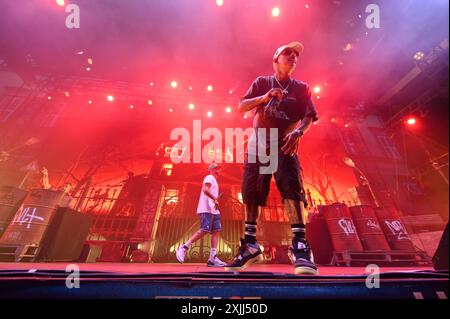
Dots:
pixel 209 214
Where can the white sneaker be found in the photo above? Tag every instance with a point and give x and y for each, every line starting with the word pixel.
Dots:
pixel 215 262
pixel 181 253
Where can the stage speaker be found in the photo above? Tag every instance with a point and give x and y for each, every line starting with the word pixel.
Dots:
pixel 65 236
pixel 440 258
pixel 319 238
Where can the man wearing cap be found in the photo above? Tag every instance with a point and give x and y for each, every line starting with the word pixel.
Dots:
pixel 209 214
pixel 282 103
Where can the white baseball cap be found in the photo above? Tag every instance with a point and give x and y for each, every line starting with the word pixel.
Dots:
pixel 296 46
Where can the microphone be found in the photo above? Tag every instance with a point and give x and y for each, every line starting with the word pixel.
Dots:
pixel 273 103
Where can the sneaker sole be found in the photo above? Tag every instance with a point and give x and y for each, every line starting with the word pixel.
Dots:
pixel 215 266
pixel 305 271
pixel 255 260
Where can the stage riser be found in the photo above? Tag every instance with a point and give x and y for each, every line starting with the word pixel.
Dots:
pixel 133 289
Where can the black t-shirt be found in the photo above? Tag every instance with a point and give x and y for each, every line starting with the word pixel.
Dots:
pixel 285 114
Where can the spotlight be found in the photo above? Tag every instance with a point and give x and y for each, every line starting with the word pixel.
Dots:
pixel 88 69
pixel 60 3
pixel 90 61
pixel 150 102
pixel 90 102
pixel 230 91
pixel 346 125
pixel 151 83
pixel 67 94
pixel 276 12
pixel 174 84
pixel 318 97
pixel 209 88
pixel 419 56
pixel 316 89
pixel 333 120
pixel 170 110
pixel 209 114
pixel 245 116
pixel 191 106
pixel 228 109
pixel 411 121
pixel 307 6
pixel 49 97
pixel 131 106
pixel 219 3
pixel 110 98
pixel 190 88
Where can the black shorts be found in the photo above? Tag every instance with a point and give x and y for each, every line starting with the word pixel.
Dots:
pixel 256 186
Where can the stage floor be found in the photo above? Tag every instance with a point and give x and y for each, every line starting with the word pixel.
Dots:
pixel 164 268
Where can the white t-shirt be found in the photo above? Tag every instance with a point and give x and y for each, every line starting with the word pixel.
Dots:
pixel 205 203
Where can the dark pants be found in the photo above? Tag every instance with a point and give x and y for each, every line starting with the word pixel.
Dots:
pixel 256 186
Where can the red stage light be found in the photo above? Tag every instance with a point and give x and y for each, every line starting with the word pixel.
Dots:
pixel 90 102
pixel 191 106
pixel 316 89
pixel 151 83
pixel 150 102
pixel 219 3
pixel 333 120
pixel 190 88
pixel 209 88
pixel 49 97
pixel 60 3
pixel 171 110
pixel 230 91
pixel 131 106
pixel 346 125
pixel 110 98
pixel 276 12
pixel 209 114
pixel 306 6
pixel 174 84
pixel 228 109
pixel 411 121
pixel 88 69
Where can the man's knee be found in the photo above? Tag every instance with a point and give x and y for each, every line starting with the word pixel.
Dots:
pixel 202 232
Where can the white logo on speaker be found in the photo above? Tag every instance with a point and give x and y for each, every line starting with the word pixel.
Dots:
pixel 372 224
pixel 397 229
pixel 27 215
pixel 347 226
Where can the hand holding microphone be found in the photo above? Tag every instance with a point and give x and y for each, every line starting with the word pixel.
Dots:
pixel 273 95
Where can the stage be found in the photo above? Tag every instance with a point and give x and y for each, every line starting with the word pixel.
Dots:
pixel 197 281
